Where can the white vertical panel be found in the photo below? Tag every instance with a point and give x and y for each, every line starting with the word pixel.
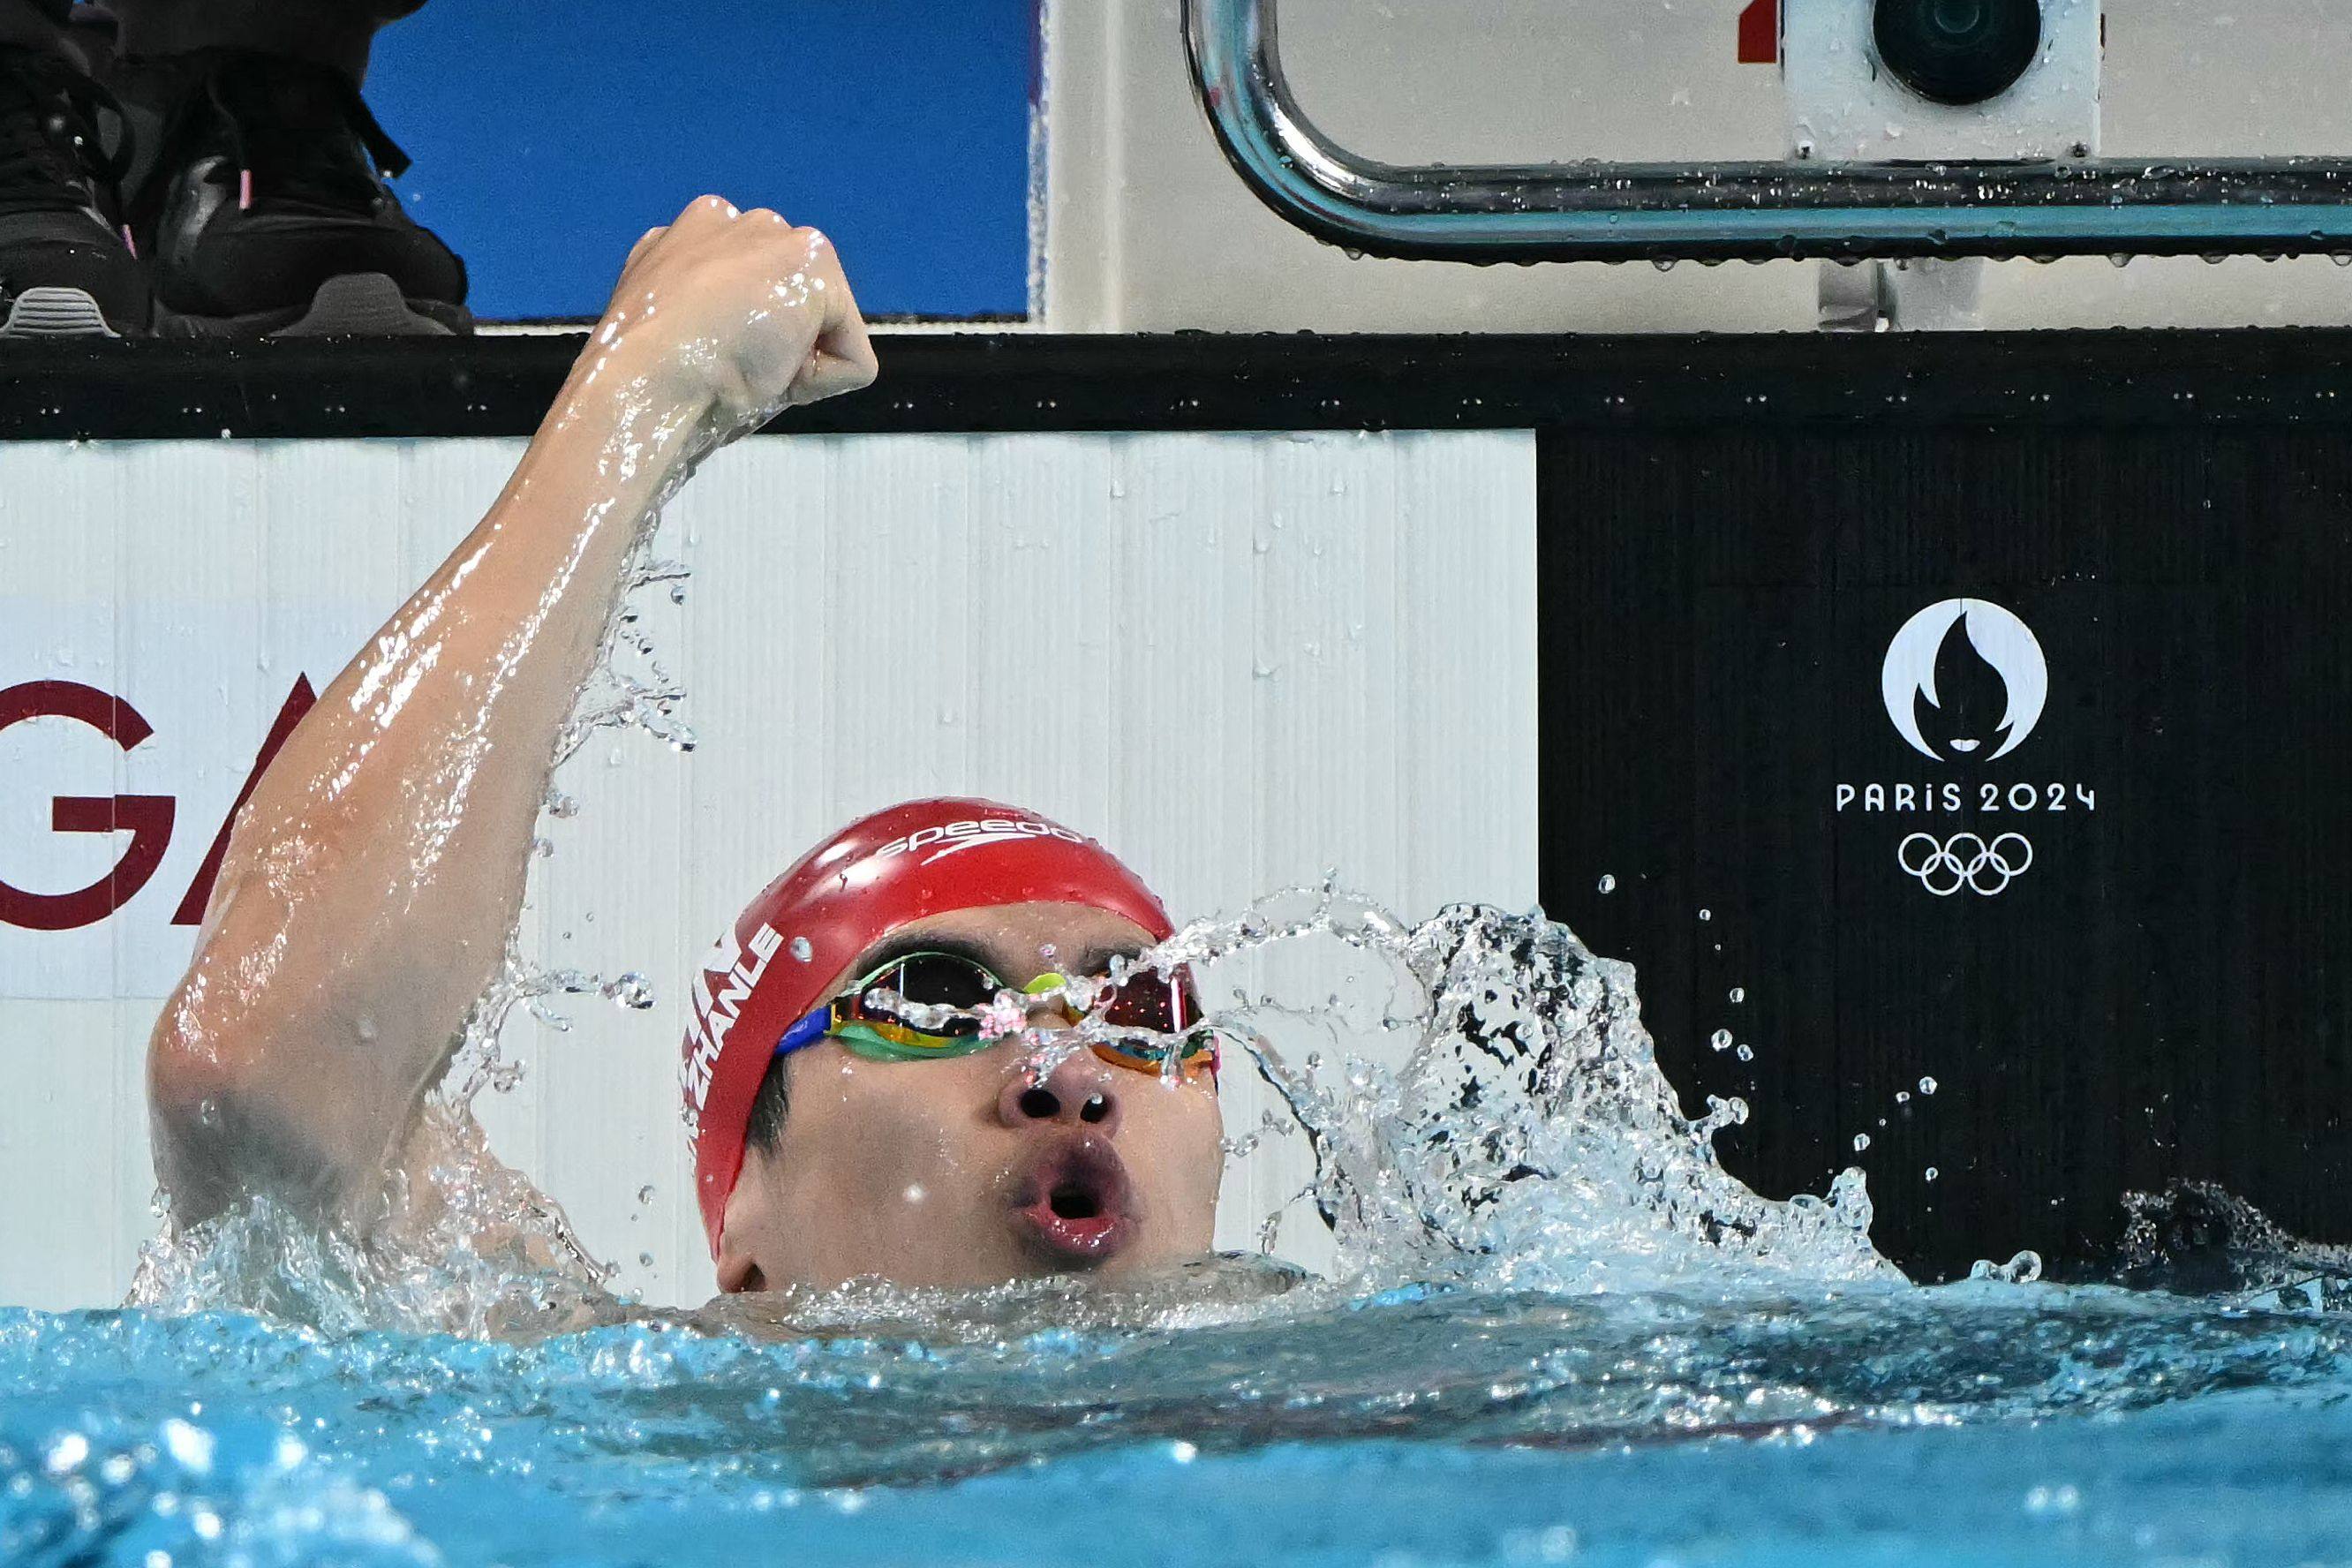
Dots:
pixel 1467 623
pixel 57 1217
pixel 59 565
pixel 1239 659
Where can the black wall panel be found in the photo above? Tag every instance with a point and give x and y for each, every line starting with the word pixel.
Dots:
pixel 2150 976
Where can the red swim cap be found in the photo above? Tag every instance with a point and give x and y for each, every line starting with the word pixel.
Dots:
pixel 879 873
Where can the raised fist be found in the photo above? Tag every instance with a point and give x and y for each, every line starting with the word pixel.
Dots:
pixel 741 308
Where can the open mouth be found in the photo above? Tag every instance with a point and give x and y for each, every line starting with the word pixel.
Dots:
pixel 1965 745
pixel 1071 1202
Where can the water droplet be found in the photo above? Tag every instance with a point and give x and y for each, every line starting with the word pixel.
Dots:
pixel 1720 1039
pixel 645 1194
pixel 1745 1054
pixel 2022 1270
pixel 1608 884
pixel 645 1260
pixel 630 990
pixel 1860 1142
pixel 1738 994
pixel 802 949
pixel 1933 1172
pixel 1902 1097
pixel 1706 914
pixel 1927 1086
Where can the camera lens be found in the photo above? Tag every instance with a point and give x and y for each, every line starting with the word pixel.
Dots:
pixel 1958 51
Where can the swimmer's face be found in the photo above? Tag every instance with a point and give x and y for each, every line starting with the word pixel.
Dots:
pixel 966 1170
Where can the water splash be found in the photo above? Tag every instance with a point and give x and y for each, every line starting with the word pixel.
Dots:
pixel 1527 1140
pixel 472 1248
pixel 636 691
pixel 2195 1238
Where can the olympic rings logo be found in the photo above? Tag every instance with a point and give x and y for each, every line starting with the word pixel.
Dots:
pixel 1966 861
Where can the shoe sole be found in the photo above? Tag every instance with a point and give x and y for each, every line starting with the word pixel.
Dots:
pixel 56 313
pixel 355 305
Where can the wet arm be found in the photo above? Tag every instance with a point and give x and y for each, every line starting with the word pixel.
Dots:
pixel 372 880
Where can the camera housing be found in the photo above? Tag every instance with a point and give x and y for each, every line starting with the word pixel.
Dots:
pixel 1929 80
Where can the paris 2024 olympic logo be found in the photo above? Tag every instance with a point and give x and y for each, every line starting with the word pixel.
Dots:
pixel 1964 681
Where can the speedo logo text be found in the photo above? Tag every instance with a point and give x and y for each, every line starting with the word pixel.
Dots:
pixel 974 832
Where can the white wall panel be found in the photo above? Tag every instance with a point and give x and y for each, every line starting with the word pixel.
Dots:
pixel 1240 661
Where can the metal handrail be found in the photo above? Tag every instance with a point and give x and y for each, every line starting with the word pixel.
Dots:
pixel 1739 211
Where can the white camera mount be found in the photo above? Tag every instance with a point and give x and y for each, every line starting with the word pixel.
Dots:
pixel 1926 81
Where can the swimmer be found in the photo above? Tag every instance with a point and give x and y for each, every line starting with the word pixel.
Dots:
pixel 852 1115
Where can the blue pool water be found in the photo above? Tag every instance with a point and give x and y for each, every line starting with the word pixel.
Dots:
pixel 1980 1422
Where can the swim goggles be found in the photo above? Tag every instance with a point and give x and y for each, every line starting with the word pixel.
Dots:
pixel 925 1006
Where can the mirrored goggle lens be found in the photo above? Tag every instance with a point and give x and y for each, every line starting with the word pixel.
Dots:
pixel 1164 1003
pixel 927 980
pixel 1144 1054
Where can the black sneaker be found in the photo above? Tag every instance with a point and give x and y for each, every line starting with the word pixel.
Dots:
pixel 267 214
pixel 66 268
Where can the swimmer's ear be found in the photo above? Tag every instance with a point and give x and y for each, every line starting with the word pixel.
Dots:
pixel 742 1278
pixel 737 1271
pixel 747 1206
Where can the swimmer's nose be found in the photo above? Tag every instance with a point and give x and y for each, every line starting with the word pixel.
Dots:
pixel 1077 1094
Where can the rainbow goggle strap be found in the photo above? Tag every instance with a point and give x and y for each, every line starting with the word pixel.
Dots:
pixel 871 1019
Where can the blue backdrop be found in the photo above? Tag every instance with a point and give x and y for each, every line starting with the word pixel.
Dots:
pixel 548 137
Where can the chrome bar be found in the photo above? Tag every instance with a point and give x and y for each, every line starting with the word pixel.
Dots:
pixel 1744 211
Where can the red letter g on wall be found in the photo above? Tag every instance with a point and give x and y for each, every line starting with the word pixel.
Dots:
pixel 147 816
